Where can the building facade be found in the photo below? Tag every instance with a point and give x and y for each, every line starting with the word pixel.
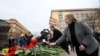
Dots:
pixel 16 28
pixel 88 14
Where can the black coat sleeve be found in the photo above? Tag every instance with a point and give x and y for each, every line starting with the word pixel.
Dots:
pixel 56 35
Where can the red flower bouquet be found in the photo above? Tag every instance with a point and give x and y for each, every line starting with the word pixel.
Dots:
pixel 12 49
pixel 32 43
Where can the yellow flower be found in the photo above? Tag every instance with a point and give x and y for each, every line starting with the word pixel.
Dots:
pixel 5 50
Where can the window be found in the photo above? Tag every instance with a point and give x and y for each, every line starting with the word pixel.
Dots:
pixel 95 14
pixel 90 14
pixel 86 14
pixel 82 15
pixel 77 15
pixel 60 15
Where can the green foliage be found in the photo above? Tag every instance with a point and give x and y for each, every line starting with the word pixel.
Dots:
pixel 40 50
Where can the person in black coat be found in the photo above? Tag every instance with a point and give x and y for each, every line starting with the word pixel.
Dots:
pixel 44 34
pixel 56 35
pixel 81 37
pixel 97 35
pixel 22 41
pixel 11 41
pixel 28 37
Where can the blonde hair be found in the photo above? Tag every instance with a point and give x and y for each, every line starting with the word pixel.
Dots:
pixel 71 17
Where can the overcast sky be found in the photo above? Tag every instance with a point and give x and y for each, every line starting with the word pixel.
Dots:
pixel 35 14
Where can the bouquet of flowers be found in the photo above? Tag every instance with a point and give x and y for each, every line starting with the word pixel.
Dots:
pixel 40 50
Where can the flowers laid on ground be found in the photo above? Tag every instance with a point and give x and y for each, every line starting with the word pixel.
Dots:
pixel 32 43
pixel 40 50
pixel 34 49
pixel 1 55
pixel 12 49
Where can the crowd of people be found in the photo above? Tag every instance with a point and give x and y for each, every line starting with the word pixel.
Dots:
pixel 22 41
pixel 52 35
pixel 77 34
pixel 25 40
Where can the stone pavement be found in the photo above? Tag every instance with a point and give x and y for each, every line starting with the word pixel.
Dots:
pixel 65 54
pixel 73 53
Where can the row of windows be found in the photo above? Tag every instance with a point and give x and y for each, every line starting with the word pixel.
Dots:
pixel 79 15
pixel 62 25
pixel 83 15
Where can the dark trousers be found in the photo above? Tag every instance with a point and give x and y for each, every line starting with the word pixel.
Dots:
pixel 64 46
pixel 83 53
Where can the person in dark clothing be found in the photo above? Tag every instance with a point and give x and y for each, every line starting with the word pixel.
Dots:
pixel 97 36
pixel 44 34
pixel 56 35
pixel 22 41
pixel 73 36
pixel 11 41
pixel 28 37
pixel 80 36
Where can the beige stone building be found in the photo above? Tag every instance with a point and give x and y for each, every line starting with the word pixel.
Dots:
pixel 16 28
pixel 87 14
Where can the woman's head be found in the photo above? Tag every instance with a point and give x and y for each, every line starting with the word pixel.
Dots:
pixel 69 18
pixel 52 28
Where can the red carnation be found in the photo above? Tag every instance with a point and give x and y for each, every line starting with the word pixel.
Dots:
pixel 12 49
pixel 32 43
